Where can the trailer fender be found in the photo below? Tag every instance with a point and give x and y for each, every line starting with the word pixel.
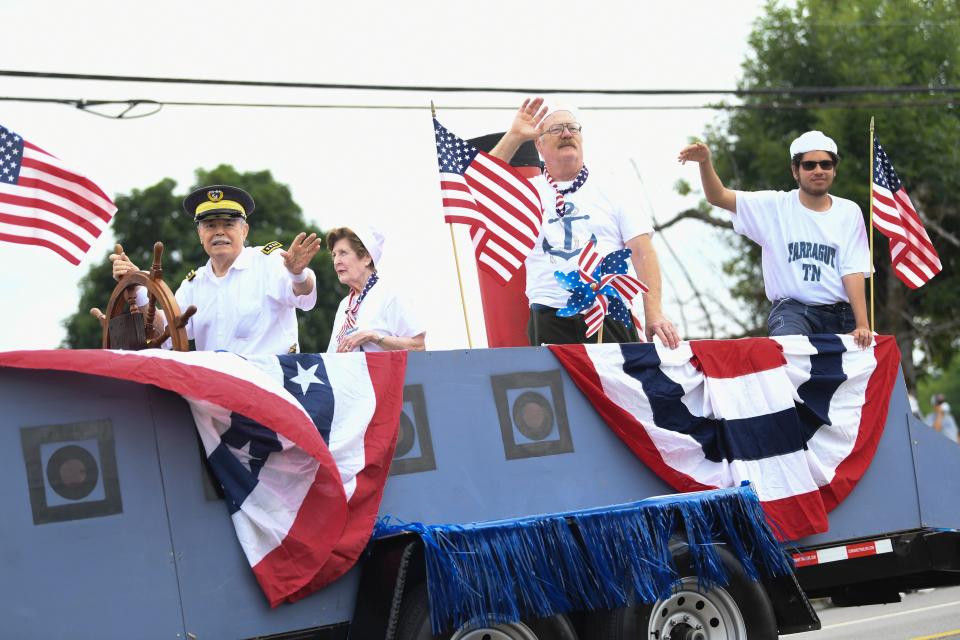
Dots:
pixel 391 567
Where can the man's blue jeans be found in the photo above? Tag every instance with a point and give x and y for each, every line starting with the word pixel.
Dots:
pixel 789 318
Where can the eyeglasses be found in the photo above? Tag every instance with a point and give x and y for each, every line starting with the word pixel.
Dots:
pixel 810 165
pixel 557 129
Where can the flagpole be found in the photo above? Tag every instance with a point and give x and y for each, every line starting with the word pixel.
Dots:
pixel 456 262
pixel 463 300
pixel 872 270
pixel 600 335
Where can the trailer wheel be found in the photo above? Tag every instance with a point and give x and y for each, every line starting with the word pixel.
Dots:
pixel 414 624
pixel 737 611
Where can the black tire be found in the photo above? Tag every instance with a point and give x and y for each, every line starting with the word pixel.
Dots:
pixel 414 624
pixel 738 611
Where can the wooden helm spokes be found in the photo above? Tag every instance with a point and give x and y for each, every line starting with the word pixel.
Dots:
pixel 126 325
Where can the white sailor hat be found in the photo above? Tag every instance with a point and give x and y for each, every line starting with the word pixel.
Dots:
pixel 813 141
pixel 563 107
pixel 372 239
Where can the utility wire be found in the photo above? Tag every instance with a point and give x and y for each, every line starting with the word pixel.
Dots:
pixel 91 106
pixel 784 91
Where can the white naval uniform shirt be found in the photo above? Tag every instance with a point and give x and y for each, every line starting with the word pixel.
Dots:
pixel 250 310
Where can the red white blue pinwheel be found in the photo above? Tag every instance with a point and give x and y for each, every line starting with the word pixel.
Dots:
pixel 600 286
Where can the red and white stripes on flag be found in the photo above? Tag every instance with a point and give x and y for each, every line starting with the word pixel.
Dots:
pixel 44 203
pixel 559 201
pixel 914 259
pixel 501 207
pixel 624 284
pixel 595 314
pixel 588 260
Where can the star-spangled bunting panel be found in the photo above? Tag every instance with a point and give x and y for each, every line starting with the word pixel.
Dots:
pixel 43 203
pixel 800 417
pixel 500 206
pixel 302 482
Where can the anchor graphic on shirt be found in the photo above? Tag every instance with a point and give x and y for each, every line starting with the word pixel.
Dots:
pixel 568 250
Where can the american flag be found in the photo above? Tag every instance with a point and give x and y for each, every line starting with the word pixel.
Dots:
pixel 915 261
pixel 500 206
pixel 800 417
pixel 45 204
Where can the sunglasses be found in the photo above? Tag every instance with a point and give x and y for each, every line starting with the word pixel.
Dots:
pixel 810 165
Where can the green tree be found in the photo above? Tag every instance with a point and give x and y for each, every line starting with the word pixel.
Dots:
pixel 858 43
pixel 154 213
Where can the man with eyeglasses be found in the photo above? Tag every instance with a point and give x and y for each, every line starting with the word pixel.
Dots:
pixel 815 256
pixel 577 206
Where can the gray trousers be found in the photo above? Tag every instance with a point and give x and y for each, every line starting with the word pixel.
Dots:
pixel 790 318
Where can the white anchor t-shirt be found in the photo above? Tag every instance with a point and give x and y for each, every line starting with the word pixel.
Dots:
pixel 613 215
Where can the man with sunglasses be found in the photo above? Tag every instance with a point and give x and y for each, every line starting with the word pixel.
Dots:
pixel 814 245
pixel 579 205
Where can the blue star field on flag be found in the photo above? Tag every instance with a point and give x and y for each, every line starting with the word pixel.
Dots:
pixel 883 172
pixel 11 155
pixel 454 154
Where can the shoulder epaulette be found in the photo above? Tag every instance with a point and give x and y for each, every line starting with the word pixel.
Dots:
pixel 191 275
pixel 270 247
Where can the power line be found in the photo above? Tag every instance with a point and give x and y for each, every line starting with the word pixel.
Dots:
pixel 154 106
pixel 785 91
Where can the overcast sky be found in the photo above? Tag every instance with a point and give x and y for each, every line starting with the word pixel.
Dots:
pixel 347 166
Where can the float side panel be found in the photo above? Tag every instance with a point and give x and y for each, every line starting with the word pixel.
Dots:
pixel 938 476
pixel 89 553
pixel 221 597
pixel 484 465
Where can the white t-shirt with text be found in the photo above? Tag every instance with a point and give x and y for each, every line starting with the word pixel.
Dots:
pixel 805 253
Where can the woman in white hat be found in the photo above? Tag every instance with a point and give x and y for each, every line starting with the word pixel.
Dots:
pixel 372 317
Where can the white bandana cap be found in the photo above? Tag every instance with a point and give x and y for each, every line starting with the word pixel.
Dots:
pixel 813 141
pixel 372 239
pixel 563 107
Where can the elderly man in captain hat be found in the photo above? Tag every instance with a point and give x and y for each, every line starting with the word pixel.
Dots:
pixel 814 245
pixel 246 297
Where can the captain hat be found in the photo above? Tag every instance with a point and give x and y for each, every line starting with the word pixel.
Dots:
pixel 813 141
pixel 218 201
